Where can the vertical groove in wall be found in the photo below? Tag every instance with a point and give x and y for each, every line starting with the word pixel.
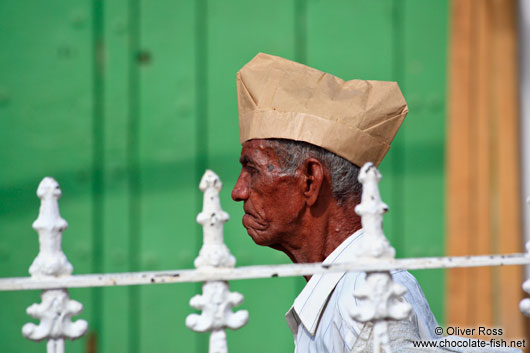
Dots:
pixel 300 31
pixel 397 145
pixel 201 68
pixel 97 168
pixel 133 161
pixel 201 108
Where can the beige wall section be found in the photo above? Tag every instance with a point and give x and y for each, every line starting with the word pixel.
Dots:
pixel 483 164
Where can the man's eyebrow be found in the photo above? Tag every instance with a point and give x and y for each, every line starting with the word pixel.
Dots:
pixel 244 160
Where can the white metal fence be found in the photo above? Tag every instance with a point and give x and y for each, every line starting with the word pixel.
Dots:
pixel 52 273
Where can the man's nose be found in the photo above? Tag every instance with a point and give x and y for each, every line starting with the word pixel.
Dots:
pixel 240 190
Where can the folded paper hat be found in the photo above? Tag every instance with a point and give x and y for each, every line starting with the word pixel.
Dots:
pixel 279 98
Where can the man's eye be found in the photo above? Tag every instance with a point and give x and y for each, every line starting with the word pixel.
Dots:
pixel 251 170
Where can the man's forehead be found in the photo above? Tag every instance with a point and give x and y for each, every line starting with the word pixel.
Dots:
pixel 257 150
pixel 258 144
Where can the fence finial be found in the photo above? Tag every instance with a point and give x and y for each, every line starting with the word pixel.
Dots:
pixel 56 310
pixel 214 252
pixel 51 261
pixel 379 297
pixel 217 301
pixel 371 209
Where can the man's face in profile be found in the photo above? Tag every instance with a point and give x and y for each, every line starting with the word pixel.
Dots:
pixel 271 200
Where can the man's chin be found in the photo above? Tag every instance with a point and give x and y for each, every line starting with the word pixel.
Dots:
pixel 257 237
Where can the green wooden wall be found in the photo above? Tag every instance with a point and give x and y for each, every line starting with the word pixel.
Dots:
pixel 126 102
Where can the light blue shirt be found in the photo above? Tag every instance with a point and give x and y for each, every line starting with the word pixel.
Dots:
pixel 320 317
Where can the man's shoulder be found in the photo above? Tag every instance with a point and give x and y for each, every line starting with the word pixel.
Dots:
pixel 337 325
pixel 344 300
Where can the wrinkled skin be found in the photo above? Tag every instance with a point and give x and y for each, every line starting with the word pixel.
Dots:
pixel 296 214
pixel 271 204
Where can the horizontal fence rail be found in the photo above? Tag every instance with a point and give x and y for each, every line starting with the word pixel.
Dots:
pixel 380 297
pixel 261 271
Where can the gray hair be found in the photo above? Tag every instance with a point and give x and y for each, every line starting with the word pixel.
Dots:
pixel 343 173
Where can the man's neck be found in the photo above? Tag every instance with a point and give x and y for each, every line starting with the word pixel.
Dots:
pixel 320 233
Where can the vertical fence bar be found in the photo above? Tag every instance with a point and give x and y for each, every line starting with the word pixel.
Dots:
pixel 56 308
pixel 216 301
pixel 379 297
pixel 55 346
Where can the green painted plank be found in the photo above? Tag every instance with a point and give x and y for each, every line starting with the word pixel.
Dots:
pixel 45 129
pixel 351 39
pixel 98 164
pixel 237 31
pixel 424 72
pixel 169 184
pixel 113 330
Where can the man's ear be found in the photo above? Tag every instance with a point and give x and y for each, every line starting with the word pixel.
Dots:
pixel 312 178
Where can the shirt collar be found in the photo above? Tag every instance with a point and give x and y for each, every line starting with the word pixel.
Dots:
pixel 308 306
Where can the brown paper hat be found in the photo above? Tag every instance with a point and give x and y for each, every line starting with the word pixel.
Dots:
pixel 357 119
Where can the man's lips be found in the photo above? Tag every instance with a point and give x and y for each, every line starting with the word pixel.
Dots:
pixel 250 221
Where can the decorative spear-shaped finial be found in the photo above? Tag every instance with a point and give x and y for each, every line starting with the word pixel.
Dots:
pixel 371 209
pixel 51 261
pixel 214 252
pixel 217 301
pixel 56 310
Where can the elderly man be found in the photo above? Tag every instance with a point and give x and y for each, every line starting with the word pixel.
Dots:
pixel 304 135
